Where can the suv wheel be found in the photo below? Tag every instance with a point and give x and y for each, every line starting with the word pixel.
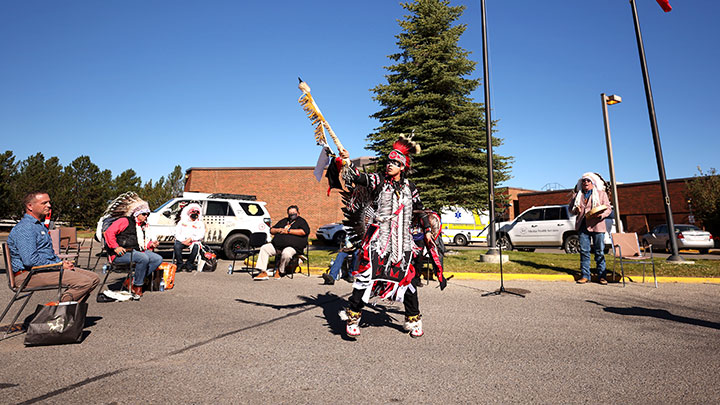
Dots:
pixel 571 244
pixel 237 241
pixel 339 238
pixel 460 240
pixel 503 242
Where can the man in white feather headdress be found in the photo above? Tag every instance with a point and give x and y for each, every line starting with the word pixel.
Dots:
pixel 591 205
pixel 189 232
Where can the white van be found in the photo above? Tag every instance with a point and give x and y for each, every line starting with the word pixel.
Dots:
pixel 461 226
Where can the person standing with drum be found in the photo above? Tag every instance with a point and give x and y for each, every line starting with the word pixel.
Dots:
pixel 591 205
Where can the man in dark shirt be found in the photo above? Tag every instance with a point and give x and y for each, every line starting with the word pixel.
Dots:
pixel 291 237
pixel 30 245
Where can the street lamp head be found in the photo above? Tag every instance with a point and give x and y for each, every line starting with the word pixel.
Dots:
pixel 613 99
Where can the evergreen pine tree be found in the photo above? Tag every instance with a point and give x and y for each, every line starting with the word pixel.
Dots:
pixel 428 91
pixel 8 169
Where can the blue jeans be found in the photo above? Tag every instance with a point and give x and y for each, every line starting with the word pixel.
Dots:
pixel 145 263
pixel 596 241
pixel 178 248
pixel 339 260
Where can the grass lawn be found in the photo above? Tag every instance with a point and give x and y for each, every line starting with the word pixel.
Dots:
pixel 550 263
pixel 460 261
pixel 85 233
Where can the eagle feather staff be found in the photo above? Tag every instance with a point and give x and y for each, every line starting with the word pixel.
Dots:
pixel 318 121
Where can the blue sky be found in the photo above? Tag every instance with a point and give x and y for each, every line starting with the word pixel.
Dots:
pixel 148 84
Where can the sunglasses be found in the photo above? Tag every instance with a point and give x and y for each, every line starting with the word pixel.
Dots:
pixel 395 164
pixel 586 181
pixel 144 213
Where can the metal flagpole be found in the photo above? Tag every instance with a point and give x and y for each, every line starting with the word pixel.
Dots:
pixel 492 249
pixel 674 257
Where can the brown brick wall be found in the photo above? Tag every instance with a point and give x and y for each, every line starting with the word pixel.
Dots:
pixel 641 204
pixel 512 193
pixel 278 187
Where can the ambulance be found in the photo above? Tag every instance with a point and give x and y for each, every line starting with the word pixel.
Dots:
pixel 462 227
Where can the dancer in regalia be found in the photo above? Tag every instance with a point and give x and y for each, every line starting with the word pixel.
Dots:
pixel 387 250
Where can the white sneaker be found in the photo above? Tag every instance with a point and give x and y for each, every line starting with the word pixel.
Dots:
pixel 413 324
pixel 118 295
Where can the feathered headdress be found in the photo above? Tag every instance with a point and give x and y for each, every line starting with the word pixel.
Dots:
pixel 598 184
pixel 186 208
pixel 403 148
pixel 127 204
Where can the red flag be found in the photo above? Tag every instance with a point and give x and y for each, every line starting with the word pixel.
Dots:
pixel 665 4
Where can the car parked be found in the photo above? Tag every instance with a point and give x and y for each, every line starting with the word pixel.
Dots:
pixel 331 233
pixel 546 226
pixel 688 237
pixel 229 219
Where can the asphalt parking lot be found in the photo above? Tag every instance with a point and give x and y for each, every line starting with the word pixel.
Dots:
pixel 219 338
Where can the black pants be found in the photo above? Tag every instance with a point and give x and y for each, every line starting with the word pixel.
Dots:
pixel 412 307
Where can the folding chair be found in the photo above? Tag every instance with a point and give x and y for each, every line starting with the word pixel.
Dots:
pixel 627 249
pixel 257 239
pixel 293 264
pixel 55 237
pixel 69 241
pixel 128 268
pixel 23 289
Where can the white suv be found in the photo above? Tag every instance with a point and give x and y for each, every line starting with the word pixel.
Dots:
pixel 331 233
pixel 229 220
pixel 547 226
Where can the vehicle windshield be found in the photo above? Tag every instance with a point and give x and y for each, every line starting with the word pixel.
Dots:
pixel 683 228
pixel 161 207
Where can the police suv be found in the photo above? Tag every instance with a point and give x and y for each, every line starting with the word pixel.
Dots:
pixel 229 220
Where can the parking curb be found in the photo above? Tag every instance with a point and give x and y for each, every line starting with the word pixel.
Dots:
pixel 569 278
pixel 559 277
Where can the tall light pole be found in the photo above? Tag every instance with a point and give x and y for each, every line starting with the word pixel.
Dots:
pixel 492 249
pixel 610 100
pixel 674 257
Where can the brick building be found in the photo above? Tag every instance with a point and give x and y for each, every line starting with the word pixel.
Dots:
pixel 513 208
pixel 279 187
pixel 641 204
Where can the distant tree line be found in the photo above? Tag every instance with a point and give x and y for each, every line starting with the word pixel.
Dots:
pixel 79 191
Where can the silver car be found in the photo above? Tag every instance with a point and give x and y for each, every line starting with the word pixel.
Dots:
pixel 688 237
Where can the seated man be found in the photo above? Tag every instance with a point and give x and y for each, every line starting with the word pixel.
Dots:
pixel 30 245
pixel 127 234
pixel 290 238
pixel 338 265
pixel 189 232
